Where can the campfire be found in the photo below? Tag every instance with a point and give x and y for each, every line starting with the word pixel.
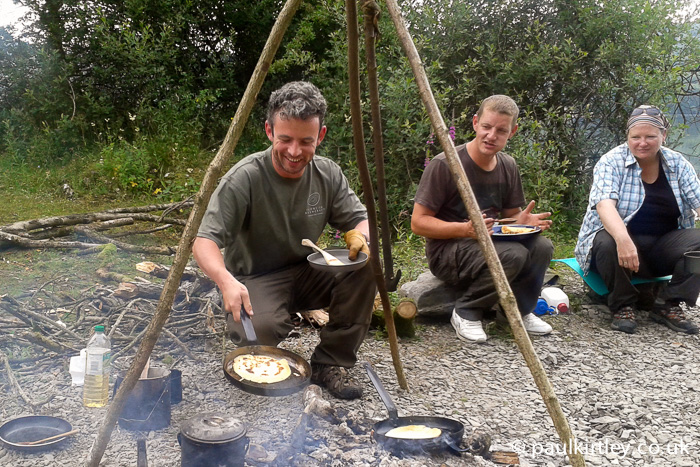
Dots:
pixel 277 429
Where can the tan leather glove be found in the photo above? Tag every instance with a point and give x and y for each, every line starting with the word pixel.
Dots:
pixel 356 242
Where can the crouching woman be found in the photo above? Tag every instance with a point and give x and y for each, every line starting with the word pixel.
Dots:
pixel 639 220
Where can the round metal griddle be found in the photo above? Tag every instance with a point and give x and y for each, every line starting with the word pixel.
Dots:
pixel 33 428
pixel 299 379
pixel 316 261
pixel 451 431
pixel 301 369
pixel 498 235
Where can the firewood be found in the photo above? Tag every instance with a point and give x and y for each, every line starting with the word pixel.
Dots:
pixel 504 457
pixel 17 388
pixel 404 317
pixel 50 344
pixel 119 213
pixel 158 250
pixel 315 404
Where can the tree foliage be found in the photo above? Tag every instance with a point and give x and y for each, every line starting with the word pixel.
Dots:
pixel 144 84
pixel 576 68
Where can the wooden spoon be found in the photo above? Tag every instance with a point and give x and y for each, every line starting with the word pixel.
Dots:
pixel 330 259
pixel 50 438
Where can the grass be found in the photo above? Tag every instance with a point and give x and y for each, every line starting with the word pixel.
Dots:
pixel 31 191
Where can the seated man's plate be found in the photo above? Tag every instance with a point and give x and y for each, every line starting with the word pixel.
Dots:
pixel 316 261
pixel 514 231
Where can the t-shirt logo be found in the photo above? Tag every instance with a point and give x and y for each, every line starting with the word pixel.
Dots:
pixel 312 208
pixel 314 198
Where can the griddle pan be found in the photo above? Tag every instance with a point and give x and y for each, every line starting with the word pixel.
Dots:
pixel 33 428
pixel 301 370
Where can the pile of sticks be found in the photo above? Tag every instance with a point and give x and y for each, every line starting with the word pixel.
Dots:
pixel 33 334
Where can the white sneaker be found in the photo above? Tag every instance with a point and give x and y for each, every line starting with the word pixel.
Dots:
pixel 535 326
pixel 468 330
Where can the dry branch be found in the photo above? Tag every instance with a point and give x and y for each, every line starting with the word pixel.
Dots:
pixel 106 225
pixel 75 219
pixel 368 190
pixel 13 381
pixel 156 250
pixel 143 232
pixel 78 219
pixel 181 345
pixel 500 280
pixel 50 344
pixel 185 246
pixel 29 243
pixel 15 308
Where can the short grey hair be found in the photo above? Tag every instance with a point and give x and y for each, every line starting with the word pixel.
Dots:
pixel 500 104
pixel 298 100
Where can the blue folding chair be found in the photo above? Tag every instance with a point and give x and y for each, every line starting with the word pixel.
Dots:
pixel 595 282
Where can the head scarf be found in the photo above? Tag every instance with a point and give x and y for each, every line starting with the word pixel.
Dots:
pixel 649 114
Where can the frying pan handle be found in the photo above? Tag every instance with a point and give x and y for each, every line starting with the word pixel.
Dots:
pixel 454 446
pixel 247 323
pixel 390 407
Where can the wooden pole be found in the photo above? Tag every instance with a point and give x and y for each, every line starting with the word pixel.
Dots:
pixel 370 9
pixel 185 246
pixel 505 293
pixel 359 143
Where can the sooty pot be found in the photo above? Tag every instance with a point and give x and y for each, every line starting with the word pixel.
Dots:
pixel 213 440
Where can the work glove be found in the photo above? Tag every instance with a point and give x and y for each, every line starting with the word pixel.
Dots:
pixel 356 241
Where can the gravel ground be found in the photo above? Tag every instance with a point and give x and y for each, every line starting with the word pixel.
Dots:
pixel 631 400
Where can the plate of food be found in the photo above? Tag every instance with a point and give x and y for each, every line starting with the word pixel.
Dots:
pixel 514 231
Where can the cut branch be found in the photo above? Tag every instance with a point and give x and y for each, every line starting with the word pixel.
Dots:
pixel 13 381
pixel 156 250
pixel 505 293
pixel 28 243
pixel 185 246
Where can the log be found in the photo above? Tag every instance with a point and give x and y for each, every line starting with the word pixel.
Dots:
pixel 404 317
pixel 120 213
pixel 78 219
pixel 407 309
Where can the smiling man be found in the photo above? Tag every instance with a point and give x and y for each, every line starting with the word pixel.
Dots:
pixel 262 209
pixel 453 252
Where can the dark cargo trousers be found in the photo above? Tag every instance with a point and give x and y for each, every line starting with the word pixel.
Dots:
pixel 278 295
pixel 462 266
pixel 658 256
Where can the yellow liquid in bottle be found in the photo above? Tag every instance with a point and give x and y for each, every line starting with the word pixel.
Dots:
pixel 96 390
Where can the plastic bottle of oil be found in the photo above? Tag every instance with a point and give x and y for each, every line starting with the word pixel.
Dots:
pixel 96 385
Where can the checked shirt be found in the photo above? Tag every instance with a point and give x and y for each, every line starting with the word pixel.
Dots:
pixel 617 176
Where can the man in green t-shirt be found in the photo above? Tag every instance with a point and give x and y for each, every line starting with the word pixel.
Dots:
pixel 262 209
